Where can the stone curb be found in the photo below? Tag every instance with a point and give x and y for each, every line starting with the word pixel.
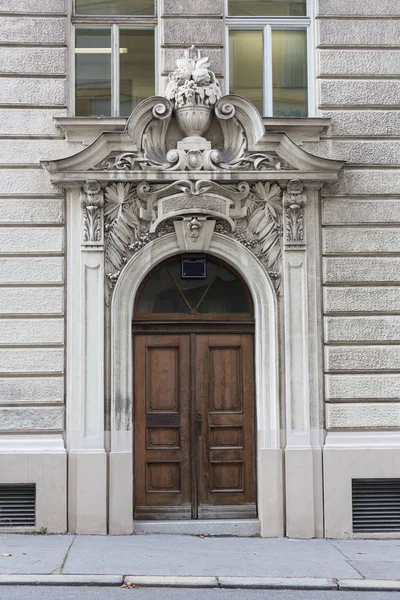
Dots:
pixel 279 583
pixel 172 581
pixel 370 585
pixel 292 583
pixel 95 580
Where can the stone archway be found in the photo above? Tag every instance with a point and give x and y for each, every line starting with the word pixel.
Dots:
pixel 267 385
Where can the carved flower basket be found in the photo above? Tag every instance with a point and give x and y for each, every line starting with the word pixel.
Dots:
pixel 194 120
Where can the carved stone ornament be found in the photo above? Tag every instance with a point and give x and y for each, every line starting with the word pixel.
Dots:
pixel 137 213
pixel 92 214
pixel 294 201
pixel 193 100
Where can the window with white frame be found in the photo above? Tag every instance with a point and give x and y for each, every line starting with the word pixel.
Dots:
pixel 115 55
pixel 268 42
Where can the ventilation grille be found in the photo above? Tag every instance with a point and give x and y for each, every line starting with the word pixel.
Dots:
pixel 17 505
pixel 376 505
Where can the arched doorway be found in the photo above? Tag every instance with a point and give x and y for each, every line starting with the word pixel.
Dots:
pixel 194 407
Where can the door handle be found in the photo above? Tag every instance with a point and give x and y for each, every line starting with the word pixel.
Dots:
pixel 199 424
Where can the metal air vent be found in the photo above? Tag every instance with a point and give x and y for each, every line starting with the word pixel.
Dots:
pixel 17 505
pixel 376 505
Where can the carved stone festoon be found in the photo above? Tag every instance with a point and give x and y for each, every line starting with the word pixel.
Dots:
pixel 193 164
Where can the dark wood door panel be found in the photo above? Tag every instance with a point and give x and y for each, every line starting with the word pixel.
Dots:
pixel 226 446
pixel 162 426
pixel 194 439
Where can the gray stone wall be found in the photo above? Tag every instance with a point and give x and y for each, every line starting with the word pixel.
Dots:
pixel 32 236
pixel 358 68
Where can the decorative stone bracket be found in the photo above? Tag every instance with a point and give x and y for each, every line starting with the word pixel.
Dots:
pixel 92 214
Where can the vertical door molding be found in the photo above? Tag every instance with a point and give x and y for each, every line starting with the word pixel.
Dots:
pixel 301 350
pixel 85 361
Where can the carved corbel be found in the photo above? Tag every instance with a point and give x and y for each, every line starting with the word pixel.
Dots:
pixel 92 202
pixel 194 233
pixel 294 200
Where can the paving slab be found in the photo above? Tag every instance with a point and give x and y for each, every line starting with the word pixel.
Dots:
pixel 33 553
pixel 207 557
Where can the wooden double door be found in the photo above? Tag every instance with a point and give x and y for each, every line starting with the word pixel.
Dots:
pixel 194 426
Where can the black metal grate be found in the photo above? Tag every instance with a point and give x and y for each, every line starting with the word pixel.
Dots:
pixel 17 505
pixel 376 505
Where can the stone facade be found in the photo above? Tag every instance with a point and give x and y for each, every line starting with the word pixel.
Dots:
pixel 349 258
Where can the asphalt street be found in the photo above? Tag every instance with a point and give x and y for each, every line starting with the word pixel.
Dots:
pixel 116 593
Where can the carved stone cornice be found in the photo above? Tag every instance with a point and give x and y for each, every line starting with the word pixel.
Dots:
pixel 294 200
pixel 92 201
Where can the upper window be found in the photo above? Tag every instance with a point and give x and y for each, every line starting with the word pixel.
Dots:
pixel 268 42
pixel 114 56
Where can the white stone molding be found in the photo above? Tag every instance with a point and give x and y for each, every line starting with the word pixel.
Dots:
pixel 266 363
pixel 197 173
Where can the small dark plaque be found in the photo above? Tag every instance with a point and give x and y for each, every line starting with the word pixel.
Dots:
pixel 163 420
pixel 194 267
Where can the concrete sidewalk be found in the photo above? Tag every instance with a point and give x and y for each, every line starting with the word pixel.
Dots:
pixel 215 562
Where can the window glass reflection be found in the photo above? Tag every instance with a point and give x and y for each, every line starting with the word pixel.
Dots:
pixel 93 72
pixel 246 65
pixel 136 67
pixel 115 7
pixel 267 8
pixel 289 72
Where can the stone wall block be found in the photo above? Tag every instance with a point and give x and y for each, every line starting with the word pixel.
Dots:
pixel 32 30
pixel 38 211
pixel 23 419
pixel 363 240
pixel 350 387
pixel 19 152
pixel 202 32
pixel 364 7
pixel 31 360
pixel 362 329
pixel 362 269
pixel 358 93
pixel 359 62
pixel 192 7
pixel 363 122
pixel 43 61
pixel 348 211
pixel 31 331
pixel 31 390
pixel 362 358
pixel 357 32
pixel 356 416
pixel 23 240
pixel 28 121
pixel 27 182
pixel 33 6
pixel 31 270
pixel 31 301
pixel 371 182
pixel 32 91
pixel 362 299
pixel 169 57
pixel 357 152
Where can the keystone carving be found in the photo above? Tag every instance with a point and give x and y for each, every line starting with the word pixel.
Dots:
pixel 294 201
pixel 92 214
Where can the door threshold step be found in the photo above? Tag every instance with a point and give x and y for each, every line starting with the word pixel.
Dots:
pixel 206 527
